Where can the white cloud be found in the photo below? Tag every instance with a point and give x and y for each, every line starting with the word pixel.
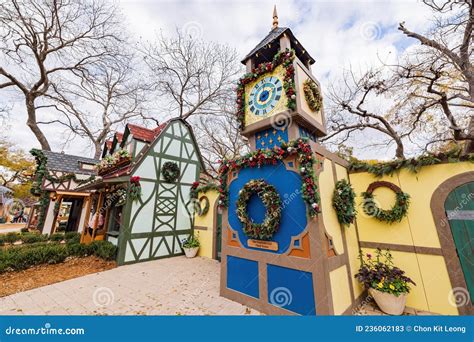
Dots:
pixel 336 33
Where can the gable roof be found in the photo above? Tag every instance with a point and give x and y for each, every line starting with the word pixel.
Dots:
pixel 162 128
pixel 68 163
pixel 131 167
pixel 140 133
pixel 275 34
pixel 118 136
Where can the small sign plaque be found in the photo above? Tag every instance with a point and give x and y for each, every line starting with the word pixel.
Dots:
pixel 269 245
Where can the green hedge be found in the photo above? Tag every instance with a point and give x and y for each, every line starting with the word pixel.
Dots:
pixel 57 237
pixel 23 257
pixel 11 237
pixel 33 237
pixel 72 237
pixel 27 237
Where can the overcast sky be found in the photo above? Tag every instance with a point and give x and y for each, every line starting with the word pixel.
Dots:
pixel 337 33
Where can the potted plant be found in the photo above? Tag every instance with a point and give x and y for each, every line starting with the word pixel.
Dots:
pixel 191 246
pixel 386 283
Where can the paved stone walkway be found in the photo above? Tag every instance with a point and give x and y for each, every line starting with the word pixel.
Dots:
pixel 11 227
pixel 173 286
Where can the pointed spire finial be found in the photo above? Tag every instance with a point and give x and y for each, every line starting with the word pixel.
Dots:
pixel 275 17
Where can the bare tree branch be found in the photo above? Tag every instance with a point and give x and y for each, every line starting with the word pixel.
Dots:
pixel 43 40
pixel 190 76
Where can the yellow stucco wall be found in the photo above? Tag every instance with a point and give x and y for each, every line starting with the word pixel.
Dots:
pixel 416 229
pixel 341 296
pixel 302 77
pixel 339 278
pixel 206 237
pixel 329 217
pixel 351 240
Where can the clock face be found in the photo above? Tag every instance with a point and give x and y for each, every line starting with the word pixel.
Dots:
pixel 265 95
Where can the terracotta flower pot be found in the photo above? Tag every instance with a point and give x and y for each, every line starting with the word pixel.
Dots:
pixel 389 303
pixel 191 252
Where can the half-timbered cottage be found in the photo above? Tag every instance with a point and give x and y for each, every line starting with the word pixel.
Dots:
pixel 140 202
pixel 57 177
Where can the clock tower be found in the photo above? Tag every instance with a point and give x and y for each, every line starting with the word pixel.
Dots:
pixel 279 98
pixel 280 236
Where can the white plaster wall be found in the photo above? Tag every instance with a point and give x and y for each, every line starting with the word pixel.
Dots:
pixel 48 223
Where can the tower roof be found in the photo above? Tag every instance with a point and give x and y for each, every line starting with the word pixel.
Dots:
pixel 265 46
pixel 274 35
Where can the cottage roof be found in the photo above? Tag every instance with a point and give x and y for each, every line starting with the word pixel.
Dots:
pixel 68 163
pixel 129 168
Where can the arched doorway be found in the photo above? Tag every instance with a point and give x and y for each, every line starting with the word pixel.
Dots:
pixel 452 206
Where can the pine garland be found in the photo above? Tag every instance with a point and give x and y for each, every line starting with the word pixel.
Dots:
pixel 42 173
pixel 312 95
pixel 260 158
pixel 271 200
pixel 343 201
pixel 196 188
pixel 412 164
pixel 284 58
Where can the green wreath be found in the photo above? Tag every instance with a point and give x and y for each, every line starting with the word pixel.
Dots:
pixel 170 172
pixel 312 95
pixel 271 201
pixel 343 201
pixel 198 209
pixel 399 209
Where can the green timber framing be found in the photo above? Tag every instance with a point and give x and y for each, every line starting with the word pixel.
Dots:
pixel 153 226
pixel 166 198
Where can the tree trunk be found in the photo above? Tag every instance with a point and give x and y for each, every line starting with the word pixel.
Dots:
pixel 469 148
pixel 400 151
pixel 470 144
pixel 31 122
pixel 98 150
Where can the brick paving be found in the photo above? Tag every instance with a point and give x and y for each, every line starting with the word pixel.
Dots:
pixel 173 286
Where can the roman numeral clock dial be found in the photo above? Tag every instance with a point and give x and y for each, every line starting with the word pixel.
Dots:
pixel 265 95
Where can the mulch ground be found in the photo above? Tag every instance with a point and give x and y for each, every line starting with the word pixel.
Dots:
pixel 37 276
